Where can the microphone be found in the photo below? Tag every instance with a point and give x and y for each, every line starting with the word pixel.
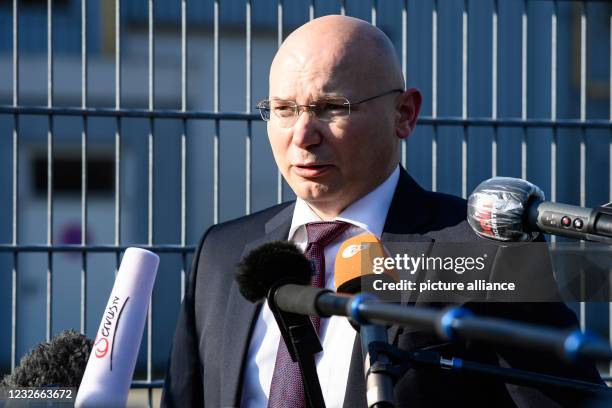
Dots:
pixel 260 274
pixel 450 324
pixel 508 209
pixel 497 206
pixel 110 368
pixel 270 265
pixel 58 363
pixel 354 266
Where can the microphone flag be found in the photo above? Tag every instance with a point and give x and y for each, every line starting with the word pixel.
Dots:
pixel 354 267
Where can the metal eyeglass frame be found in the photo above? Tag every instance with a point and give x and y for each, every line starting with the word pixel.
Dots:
pixel 261 105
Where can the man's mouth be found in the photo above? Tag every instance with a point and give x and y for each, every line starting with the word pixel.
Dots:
pixel 311 170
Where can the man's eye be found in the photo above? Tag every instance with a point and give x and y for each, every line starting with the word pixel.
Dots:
pixel 283 110
pixel 333 108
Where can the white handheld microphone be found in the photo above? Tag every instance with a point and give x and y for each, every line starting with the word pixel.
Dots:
pixel 110 367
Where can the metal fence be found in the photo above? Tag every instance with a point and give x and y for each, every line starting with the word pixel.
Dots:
pixel 463 123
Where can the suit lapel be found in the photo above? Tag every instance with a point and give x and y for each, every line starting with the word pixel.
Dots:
pixel 406 226
pixel 242 314
pixel 406 222
pixel 409 210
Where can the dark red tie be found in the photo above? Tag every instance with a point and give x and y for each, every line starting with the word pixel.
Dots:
pixel 287 388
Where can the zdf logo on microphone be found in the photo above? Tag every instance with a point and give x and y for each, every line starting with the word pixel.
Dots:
pixel 354 249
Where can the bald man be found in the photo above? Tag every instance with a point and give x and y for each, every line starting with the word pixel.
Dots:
pixel 336 114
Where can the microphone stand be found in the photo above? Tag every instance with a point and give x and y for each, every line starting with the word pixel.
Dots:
pixel 451 323
pixel 379 381
pixel 303 343
pixel 404 360
pixel 377 362
pixel 384 364
pixel 506 374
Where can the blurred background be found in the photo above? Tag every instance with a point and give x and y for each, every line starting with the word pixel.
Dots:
pixel 134 123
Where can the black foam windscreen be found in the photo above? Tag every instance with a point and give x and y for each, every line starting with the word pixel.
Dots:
pixel 269 264
pixel 60 362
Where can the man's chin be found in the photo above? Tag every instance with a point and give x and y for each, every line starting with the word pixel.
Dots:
pixel 326 202
pixel 314 192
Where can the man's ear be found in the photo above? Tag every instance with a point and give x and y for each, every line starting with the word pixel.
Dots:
pixel 407 112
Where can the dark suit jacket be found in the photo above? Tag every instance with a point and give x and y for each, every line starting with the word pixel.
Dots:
pixel 215 322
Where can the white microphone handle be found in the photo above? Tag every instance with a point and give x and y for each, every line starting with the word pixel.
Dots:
pixel 110 367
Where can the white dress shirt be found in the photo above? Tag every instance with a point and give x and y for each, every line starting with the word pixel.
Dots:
pixel 337 335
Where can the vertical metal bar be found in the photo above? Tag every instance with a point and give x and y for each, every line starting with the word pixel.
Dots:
pixel 247 142
pixel 279 177
pixel 150 198
pixel 311 10
pixel 183 144
pixel 49 168
pixel 583 31
pixel 610 181
pixel 15 185
pixel 434 95
pixel 524 89
pixel 117 133
pixel 84 165
pixel 151 140
pixel 553 108
pixel 494 48
pixel 464 97
pixel 374 6
pixel 216 140
pixel 583 68
pixel 343 7
pixel 404 67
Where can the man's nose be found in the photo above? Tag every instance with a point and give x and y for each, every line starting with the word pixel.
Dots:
pixel 305 130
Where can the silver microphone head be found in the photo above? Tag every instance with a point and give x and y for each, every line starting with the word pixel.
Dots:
pixel 496 209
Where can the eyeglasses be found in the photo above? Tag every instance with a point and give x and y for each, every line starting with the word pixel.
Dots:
pixel 327 109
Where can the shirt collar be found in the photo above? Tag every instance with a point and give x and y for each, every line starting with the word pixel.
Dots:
pixel 368 213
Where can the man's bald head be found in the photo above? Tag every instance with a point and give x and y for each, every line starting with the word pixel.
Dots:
pixel 351 51
pixel 337 152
